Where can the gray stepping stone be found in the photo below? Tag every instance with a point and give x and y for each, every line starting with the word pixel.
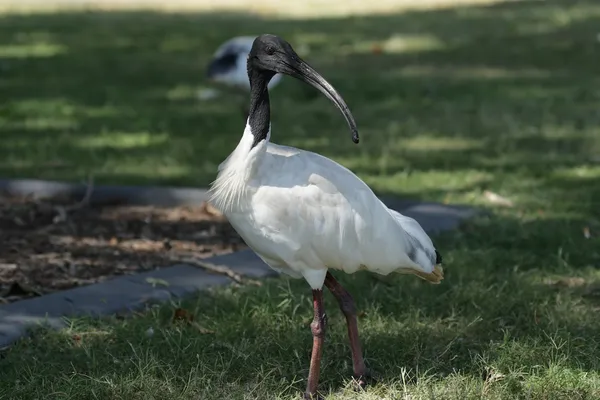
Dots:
pixel 104 194
pixel 122 294
pixel 132 292
pixel 182 280
pixel 244 262
pixel 435 218
pixel 17 318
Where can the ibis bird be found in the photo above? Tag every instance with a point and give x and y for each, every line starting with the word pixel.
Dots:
pixel 228 64
pixel 305 215
pixel 227 68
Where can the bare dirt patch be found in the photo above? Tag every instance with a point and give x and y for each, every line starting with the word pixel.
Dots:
pixel 47 247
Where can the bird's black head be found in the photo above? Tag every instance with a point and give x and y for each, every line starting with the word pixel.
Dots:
pixel 271 54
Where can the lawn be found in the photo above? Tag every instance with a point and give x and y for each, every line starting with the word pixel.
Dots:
pixel 502 98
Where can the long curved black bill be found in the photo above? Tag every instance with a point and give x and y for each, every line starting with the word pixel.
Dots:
pixel 306 73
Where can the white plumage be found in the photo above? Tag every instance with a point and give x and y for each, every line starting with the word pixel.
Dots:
pixel 303 213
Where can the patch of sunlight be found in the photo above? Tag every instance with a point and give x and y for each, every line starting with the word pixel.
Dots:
pixel 558 17
pixel 402 43
pixel 431 181
pixel 32 50
pixel 560 132
pixel 121 140
pixel 37 114
pixel 311 38
pixel 539 91
pixel 551 17
pixel 103 111
pixel 43 107
pixel 541 27
pixel 40 124
pixel 425 143
pixel 177 43
pixel 579 172
pixel 474 72
pixel 144 168
pixel 584 275
pixel 181 92
pixel 397 43
pixel 290 10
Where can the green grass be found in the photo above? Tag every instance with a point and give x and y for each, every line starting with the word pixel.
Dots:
pixel 502 98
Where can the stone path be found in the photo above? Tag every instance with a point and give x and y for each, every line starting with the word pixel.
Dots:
pixel 128 293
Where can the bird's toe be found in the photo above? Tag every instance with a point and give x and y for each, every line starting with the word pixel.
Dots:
pixel 364 380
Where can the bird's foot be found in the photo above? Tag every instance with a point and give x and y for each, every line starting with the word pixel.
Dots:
pixel 313 396
pixel 364 380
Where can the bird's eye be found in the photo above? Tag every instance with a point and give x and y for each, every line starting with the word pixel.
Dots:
pixel 270 50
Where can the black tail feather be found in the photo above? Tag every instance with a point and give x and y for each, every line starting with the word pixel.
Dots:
pixel 438 258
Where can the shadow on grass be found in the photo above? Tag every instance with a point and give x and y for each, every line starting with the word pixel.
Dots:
pixel 504 305
pixel 464 99
pixel 507 305
pixel 114 93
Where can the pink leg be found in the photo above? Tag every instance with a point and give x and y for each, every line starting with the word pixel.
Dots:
pixel 318 331
pixel 349 309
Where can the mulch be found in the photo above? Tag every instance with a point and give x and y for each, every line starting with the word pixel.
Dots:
pixel 47 247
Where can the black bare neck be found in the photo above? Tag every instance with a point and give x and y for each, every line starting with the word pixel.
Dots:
pixel 260 108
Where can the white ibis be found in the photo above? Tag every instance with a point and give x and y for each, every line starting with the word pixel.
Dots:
pixel 304 214
pixel 228 66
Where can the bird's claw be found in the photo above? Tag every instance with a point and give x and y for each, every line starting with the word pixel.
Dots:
pixel 362 381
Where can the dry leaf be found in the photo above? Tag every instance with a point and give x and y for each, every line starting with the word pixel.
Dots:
pixel 209 209
pixel 182 315
pixel 202 329
pixel 8 267
pixel 76 339
pixel 566 282
pixel 586 232
pixel 491 375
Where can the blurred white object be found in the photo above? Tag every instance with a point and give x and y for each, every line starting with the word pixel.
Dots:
pixel 497 199
pixel 228 65
pixel 208 94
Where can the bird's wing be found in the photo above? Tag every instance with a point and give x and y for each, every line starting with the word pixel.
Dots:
pixel 316 213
